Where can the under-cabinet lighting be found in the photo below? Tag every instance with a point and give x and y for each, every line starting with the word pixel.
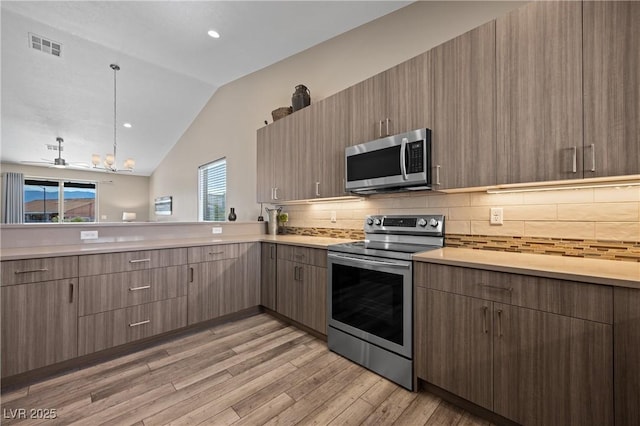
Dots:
pixel 321 200
pixel 539 188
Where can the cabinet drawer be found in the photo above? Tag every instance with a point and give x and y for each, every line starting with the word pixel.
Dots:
pixel 581 300
pixel 120 326
pixel 100 293
pixel 36 270
pixel 96 264
pixel 211 253
pixel 310 256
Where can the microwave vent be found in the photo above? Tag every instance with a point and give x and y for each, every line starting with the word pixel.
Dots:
pixel 45 45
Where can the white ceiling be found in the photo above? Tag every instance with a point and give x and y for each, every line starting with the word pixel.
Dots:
pixel 169 67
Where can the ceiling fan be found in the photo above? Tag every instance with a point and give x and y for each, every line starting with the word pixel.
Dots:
pixel 58 163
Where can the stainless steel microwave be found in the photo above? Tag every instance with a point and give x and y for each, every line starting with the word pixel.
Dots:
pixel 395 163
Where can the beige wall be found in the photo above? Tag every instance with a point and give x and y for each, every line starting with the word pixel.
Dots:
pixel 591 213
pixel 116 192
pixel 226 127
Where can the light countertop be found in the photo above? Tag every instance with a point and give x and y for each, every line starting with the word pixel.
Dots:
pixel 97 248
pixel 597 271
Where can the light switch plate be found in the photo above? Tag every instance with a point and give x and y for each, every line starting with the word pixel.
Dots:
pixel 88 235
pixel 216 230
pixel 496 217
pixel 333 218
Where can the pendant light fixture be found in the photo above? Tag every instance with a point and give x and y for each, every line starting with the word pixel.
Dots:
pixel 109 163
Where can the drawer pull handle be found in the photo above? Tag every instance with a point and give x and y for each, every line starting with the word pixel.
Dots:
pixel 299 256
pixel 493 287
pixel 70 292
pixel 144 287
pixel 135 324
pixel 212 253
pixel 140 260
pixel 32 270
pixel 499 322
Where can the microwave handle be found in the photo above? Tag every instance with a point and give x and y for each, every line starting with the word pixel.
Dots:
pixel 403 166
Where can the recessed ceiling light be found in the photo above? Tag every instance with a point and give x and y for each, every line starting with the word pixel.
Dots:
pixel 213 34
pixel 127 125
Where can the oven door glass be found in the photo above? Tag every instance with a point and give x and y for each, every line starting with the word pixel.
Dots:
pixel 373 303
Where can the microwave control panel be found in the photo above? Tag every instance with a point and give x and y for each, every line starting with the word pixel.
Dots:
pixel 415 157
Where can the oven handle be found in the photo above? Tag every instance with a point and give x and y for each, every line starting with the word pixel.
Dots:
pixel 360 260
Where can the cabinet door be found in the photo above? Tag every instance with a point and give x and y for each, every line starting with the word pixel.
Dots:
pixel 464 130
pixel 539 92
pixel 264 165
pixel 39 325
pixel 551 369
pixel 290 293
pixel 314 297
pixel 241 290
pixel 368 109
pixel 330 123
pixel 611 88
pixel 268 271
pixel 626 350
pixel 304 170
pixel 205 288
pixel 457 342
pixel 410 95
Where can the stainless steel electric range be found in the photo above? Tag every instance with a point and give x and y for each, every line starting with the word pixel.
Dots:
pixel 370 293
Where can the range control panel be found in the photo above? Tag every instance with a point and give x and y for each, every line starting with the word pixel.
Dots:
pixel 396 224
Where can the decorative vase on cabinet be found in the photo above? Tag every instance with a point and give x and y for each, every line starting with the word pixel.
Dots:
pixel 232 215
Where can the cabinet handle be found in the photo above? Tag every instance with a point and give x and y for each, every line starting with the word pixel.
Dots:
pixel 380 128
pixel 140 260
pixel 32 270
pixel 144 287
pixel 295 273
pixel 70 292
pixel 387 127
pixel 484 319
pixel 317 189
pixel 499 322
pixel 299 256
pixel 213 253
pixel 493 287
pixel 135 324
pixel 438 174
pixel 190 275
pixel 593 157
pixel 272 193
pixel 275 193
pixel 272 251
pixel 300 273
pixel 575 160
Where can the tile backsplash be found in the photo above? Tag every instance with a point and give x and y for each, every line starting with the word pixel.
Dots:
pixel 575 222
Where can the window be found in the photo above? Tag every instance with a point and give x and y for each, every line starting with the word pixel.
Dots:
pixel 212 184
pixel 48 200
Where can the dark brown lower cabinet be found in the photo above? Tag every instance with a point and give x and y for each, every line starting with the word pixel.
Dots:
pixel 39 324
pixel 528 365
pixel 626 335
pixel 268 274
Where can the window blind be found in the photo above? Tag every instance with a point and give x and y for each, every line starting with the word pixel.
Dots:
pixel 212 180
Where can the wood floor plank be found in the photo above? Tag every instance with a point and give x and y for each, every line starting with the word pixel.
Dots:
pixel 446 414
pixel 225 401
pixel 419 411
pixel 355 414
pixel 340 402
pixel 193 378
pixel 266 412
pixel 253 371
pixel 391 408
pixel 310 402
pixel 258 399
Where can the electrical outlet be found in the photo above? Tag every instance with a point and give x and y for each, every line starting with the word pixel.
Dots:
pixel 88 235
pixel 334 219
pixel 216 230
pixel 103 217
pixel 496 217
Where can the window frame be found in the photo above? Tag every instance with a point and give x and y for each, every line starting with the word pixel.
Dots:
pixel 61 200
pixel 201 200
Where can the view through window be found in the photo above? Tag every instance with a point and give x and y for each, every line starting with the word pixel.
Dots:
pixel 212 183
pixel 49 200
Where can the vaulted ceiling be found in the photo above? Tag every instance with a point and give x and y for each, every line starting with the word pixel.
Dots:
pixel 170 67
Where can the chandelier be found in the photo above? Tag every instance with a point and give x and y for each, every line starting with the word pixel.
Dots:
pixel 109 163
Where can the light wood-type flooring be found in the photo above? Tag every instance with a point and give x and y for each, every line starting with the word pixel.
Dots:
pixel 249 372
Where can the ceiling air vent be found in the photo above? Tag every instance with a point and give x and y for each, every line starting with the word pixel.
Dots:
pixel 45 45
